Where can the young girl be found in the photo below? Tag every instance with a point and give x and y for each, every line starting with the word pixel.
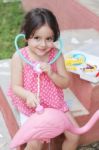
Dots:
pixel 41 31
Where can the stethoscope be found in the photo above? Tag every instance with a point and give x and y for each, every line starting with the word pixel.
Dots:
pixel 39 107
pixel 19 36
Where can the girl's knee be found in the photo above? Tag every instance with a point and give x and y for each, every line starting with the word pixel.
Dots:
pixel 74 138
pixel 34 145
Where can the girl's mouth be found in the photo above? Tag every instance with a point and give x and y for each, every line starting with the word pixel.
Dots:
pixel 41 51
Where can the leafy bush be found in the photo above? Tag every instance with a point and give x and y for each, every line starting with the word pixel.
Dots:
pixel 11 15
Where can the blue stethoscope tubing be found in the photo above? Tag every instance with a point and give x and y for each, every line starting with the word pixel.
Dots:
pixel 19 36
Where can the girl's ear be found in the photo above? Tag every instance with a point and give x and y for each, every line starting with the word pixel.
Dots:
pixel 25 40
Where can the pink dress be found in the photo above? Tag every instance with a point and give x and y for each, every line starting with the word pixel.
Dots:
pixel 51 96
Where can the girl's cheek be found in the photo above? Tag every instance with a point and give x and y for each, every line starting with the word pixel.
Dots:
pixel 32 42
pixel 52 44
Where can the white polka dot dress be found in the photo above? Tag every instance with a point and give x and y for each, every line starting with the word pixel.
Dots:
pixel 51 96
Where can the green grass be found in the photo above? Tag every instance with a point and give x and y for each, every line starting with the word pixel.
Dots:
pixel 11 15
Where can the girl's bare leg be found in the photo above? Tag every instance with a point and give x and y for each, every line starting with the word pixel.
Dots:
pixel 71 140
pixel 34 145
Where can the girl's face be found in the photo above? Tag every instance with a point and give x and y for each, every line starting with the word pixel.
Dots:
pixel 42 41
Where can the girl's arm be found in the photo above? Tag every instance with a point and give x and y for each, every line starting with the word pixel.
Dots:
pixel 17 81
pixel 16 76
pixel 60 78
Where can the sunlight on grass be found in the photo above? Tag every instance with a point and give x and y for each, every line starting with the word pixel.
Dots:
pixel 11 15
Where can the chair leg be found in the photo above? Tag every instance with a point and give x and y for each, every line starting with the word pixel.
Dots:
pixel 8 116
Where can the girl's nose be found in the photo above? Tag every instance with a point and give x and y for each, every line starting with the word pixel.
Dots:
pixel 43 43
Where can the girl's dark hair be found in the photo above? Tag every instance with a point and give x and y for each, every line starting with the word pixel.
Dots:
pixel 38 17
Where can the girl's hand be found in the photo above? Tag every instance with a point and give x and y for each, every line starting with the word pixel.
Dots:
pixel 31 99
pixel 45 67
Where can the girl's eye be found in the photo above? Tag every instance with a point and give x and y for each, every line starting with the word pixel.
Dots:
pixel 49 39
pixel 36 38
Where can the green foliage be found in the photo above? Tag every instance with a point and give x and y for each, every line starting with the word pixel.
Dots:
pixel 11 15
